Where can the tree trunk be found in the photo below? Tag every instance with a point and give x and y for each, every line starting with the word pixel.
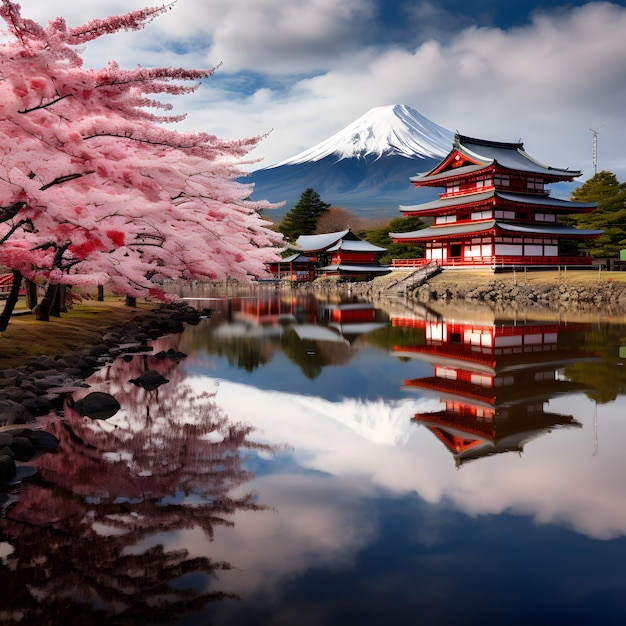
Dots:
pixel 11 301
pixel 42 310
pixel 58 302
pixel 100 293
pixel 131 301
pixel 31 294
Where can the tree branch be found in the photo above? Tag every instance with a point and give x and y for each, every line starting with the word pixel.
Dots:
pixel 63 179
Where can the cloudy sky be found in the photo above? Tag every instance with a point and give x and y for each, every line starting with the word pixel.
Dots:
pixel 546 72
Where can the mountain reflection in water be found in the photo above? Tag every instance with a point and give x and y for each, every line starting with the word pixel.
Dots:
pixel 406 464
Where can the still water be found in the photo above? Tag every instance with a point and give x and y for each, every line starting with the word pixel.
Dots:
pixel 316 460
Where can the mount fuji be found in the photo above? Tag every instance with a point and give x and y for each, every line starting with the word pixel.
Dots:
pixel 365 167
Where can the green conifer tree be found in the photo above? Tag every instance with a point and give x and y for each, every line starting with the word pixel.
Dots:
pixel 302 218
pixel 610 216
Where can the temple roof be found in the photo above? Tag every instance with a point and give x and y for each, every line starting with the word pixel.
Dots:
pixel 514 198
pixel 355 246
pixel 313 243
pixel 467 228
pixel 484 153
pixel 298 257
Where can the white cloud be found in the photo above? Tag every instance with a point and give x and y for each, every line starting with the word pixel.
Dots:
pixel 558 480
pixel 321 511
pixel 547 82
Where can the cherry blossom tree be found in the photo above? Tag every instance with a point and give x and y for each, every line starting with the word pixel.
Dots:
pixel 170 460
pixel 94 188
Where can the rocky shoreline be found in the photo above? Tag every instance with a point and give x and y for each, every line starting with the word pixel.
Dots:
pixel 41 386
pixel 498 292
pixel 524 295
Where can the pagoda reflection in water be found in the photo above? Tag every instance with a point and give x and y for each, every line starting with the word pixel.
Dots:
pixel 495 379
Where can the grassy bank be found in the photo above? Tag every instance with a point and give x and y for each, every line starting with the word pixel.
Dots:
pixel 26 338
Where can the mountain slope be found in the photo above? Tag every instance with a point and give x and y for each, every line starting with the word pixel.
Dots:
pixel 365 167
pixel 391 130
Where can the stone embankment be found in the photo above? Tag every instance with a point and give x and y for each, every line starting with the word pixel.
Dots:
pixel 505 292
pixel 41 386
pixel 525 295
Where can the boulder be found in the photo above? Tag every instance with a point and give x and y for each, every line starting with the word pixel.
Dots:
pixel 23 448
pixel 97 405
pixel 149 380
pixel 13 413
pixel 7 468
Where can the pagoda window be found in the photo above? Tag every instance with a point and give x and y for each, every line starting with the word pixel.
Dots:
pixel 445 219
pixel 534 184
pixel 452 188
pixel 482 380
pixel 481 215
pixel 435 252
pixel 484 415
pixel 545 217
pixel 446 372
pixel 549 375
pixel 502 180
pixel 509 215
pixel 506 249
pixel 551 250
pixel 483 182
pixel 504 381
pixel 533 250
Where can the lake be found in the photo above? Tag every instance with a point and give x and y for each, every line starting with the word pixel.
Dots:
pixel 314 459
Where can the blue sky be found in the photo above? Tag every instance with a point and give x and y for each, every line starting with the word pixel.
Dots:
pixel 543 72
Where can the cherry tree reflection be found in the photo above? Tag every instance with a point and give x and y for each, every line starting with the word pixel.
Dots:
pixel 86 540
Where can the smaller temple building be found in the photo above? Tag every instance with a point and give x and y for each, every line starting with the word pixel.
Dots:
pixel 342 254
pixel 496 210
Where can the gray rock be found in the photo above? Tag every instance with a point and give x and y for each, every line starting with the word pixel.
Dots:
pixel 97 405
pixel 24 448
pixel 149 380
pixel 7 468
pixel 13 413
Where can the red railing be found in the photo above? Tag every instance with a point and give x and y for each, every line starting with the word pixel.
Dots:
pixel 497 261
pixel 410 262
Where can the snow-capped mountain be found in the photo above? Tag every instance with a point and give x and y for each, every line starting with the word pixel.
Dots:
pixel 397 129
pixel 365 167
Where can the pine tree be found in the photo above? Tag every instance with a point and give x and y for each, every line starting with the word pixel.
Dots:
pixel 303 217
pixel 610 216
pixel 380 237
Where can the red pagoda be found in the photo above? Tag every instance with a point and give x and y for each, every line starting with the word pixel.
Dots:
pixel 495 210
pixel 495 380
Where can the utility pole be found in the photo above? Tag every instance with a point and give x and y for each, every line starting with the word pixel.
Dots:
pixel 595 149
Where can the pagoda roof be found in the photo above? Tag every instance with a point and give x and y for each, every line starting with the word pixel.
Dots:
pixel 355 246
pixel 513 198
pixel 509 436
pixel 472 228
pixel 509 155
pixel 452 201
pixel 473 154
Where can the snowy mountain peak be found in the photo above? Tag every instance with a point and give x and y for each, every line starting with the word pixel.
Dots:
pixel 396 129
